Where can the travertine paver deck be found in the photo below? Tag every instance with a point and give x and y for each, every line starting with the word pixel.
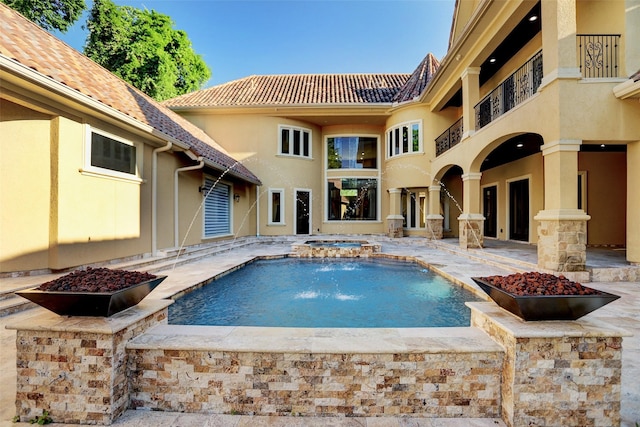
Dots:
pixel 623 313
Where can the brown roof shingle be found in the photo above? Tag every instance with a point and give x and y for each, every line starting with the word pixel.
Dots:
pixel 298 90
pixel 26 43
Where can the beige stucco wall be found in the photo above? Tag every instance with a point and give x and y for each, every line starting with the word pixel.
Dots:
pixel 60 215
pixel 253 139
pixel 25 187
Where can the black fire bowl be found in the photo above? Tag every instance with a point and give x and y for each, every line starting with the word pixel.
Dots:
pixel 101 304
pixel 546 307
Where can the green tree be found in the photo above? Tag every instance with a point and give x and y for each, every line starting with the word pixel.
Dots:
pixel 143 48
pixel 49 14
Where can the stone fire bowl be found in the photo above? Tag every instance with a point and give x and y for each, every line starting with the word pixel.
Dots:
pixel 101 304
pixel 546 307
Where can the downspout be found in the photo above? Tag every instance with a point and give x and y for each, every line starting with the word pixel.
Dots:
pixel 200 165
pixel 154 197
pixel 257 211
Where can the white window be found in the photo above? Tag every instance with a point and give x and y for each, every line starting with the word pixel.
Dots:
pixel 352 199
pixel 217 208
pixel 405 138
pixel 294 141
pixel 109 155
pixel 352 152
pixel 276 206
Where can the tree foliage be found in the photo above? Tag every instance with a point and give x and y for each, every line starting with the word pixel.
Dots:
pixel 143 48
pixel 49 14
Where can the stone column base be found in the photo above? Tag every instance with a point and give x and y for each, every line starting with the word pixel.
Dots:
pixel 471 231
pixel 562 240
pixel 435 227
pixel 394 226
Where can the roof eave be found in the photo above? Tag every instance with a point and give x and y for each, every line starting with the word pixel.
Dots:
pixel 47 83
pixel 297 109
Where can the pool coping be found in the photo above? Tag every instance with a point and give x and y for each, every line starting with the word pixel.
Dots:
pixel 317 340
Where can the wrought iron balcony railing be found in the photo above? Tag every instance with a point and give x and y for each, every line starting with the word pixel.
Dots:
pixel 598 55
pixel 513 91
pixel 449 137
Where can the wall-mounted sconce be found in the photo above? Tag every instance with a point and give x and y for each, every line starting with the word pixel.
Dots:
pixel 236 197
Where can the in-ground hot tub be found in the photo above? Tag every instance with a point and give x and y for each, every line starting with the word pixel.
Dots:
pixel 334 249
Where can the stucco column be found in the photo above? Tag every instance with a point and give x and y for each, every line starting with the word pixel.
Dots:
pixel 434 219
pixel 470 97
pixel 562 227
pixel 633 202
pixel 632 50
pixel 559 53
pixel 471 221
pixel 395 218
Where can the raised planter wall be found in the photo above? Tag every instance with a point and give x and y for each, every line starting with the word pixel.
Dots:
pixel 90 370
pixel 556 372
pixel 75 368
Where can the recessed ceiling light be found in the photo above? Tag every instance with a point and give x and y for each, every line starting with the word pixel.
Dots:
pixel 533 18
pixel 519 145
pixel 492 60
pixel 602 145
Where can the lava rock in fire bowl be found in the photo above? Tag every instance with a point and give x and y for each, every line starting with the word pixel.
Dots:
pixel 542 296
pixel 93 292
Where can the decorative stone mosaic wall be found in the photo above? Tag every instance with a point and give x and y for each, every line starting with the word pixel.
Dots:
pixel 333 250
pixel 435 229
pixel 78 376
pixel 471 235
pixel 562 245
pixel 433 385
pixel 556 373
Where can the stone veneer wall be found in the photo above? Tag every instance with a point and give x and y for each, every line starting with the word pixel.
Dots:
pixel 75 368
pixel 317 384
pixel 306 250
pixel 471 233
pixel 562 245
pixel 557 373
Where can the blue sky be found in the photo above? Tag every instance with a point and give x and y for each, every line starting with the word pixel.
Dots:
pixel 241 38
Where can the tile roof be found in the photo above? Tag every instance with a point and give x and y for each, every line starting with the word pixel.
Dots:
pixel 297 90
pixel 26 43
pixel 419 79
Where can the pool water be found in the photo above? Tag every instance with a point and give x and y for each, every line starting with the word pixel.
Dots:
pixel 330 292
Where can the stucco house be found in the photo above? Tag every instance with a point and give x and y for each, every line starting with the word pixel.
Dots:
pixel 527 130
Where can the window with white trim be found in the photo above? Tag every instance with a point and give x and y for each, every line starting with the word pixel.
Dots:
pixel 109 155
pixel 294 141
pixel 405 138
pixel 217 208
pixel 276 206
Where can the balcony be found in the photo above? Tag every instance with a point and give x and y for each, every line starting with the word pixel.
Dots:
pixel 598 55
pixel 449 137
pixel 513 91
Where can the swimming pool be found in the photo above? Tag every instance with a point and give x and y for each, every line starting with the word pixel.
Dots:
pixel 349 293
